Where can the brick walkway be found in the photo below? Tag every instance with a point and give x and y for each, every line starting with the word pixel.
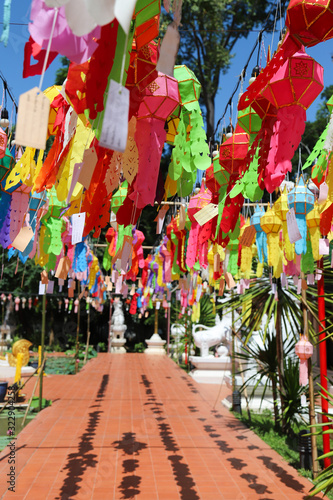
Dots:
pixel 135 426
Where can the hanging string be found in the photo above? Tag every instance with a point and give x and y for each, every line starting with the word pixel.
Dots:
pixel 274 25
pixel 56 10
pixel 299 164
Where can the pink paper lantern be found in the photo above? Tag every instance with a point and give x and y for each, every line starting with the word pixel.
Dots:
pixel 304 350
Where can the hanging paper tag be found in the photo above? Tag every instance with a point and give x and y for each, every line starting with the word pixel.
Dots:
pixel 88 166
pixel 41 289
pixel 182 218
pixel 303 400
pixel 206 214
pixel 50 287
pixel 283 279
pixel 160 218
pixel 78 221
pixel 323 193
pixel 119 284
pixel 75 177
pixel 115 122
pixel 158 305
pixel 229 281
pixel 310 279
pixel 248 236
pixel 63 269
pixel 299 286
pixel 295 280
pixel 44 277
pixel 199 289
pixel 168 51
pixel 113 220
pixel 32 119
pixel 221 287
pixel 324 246
pixel 23 238
pixel 293 231
pixel 217 263
pixel 124 290
pixel 126 252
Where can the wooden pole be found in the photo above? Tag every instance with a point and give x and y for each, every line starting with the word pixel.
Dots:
pixel 233 350
pixel 168 331
pixel 77 337
pixel 42 350
pixel 312 414
pixel 88 331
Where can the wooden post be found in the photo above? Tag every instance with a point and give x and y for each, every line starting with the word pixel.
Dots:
pixel 42 350
pixel 233 350
pixel 168 332
pixel 88 331
pixel 312 414
pixel 77 337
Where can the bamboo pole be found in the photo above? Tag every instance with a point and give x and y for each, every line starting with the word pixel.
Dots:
pixel 77 337
pixel 42 350
pixel 88 334
pixel 40 375
pixel 312 414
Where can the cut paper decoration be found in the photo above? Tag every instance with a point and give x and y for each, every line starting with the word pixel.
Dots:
pixel 32 49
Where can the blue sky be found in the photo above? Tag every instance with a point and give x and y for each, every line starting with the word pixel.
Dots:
pixel 11 61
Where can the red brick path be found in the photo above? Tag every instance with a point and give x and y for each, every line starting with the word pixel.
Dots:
pixel 133 426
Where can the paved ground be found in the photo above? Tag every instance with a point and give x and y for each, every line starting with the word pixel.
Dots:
pixel 137 427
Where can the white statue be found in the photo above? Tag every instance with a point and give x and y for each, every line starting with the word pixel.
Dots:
pixel 118 328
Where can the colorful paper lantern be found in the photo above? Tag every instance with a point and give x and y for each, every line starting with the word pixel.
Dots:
pixel 302 199
pixel 304 350
pixel 310 22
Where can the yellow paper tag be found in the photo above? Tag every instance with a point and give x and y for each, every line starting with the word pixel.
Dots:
pixel 32 119
pixel 206 214
pixel 23 238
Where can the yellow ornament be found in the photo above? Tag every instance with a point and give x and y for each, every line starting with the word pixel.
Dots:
pixel 271 223
pixel 313 223
pixel 281 209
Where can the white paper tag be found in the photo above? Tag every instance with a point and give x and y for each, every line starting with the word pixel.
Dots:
pixel 78 221
pixel 206 214
pixel 115 122
pixel 41 289
pixel 303 400
pixel 32 119
pixel 283 279
pixel 299 286
pixel 50 287
pixel 310 279
pixel 126 254
pixel 324 246
pixel 158 305
pixel 199 289
pixel 119 284
pixel 323 193
pixel 293 231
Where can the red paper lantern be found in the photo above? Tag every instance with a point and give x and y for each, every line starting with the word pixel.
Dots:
pixel 310 22
pixel 234 150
